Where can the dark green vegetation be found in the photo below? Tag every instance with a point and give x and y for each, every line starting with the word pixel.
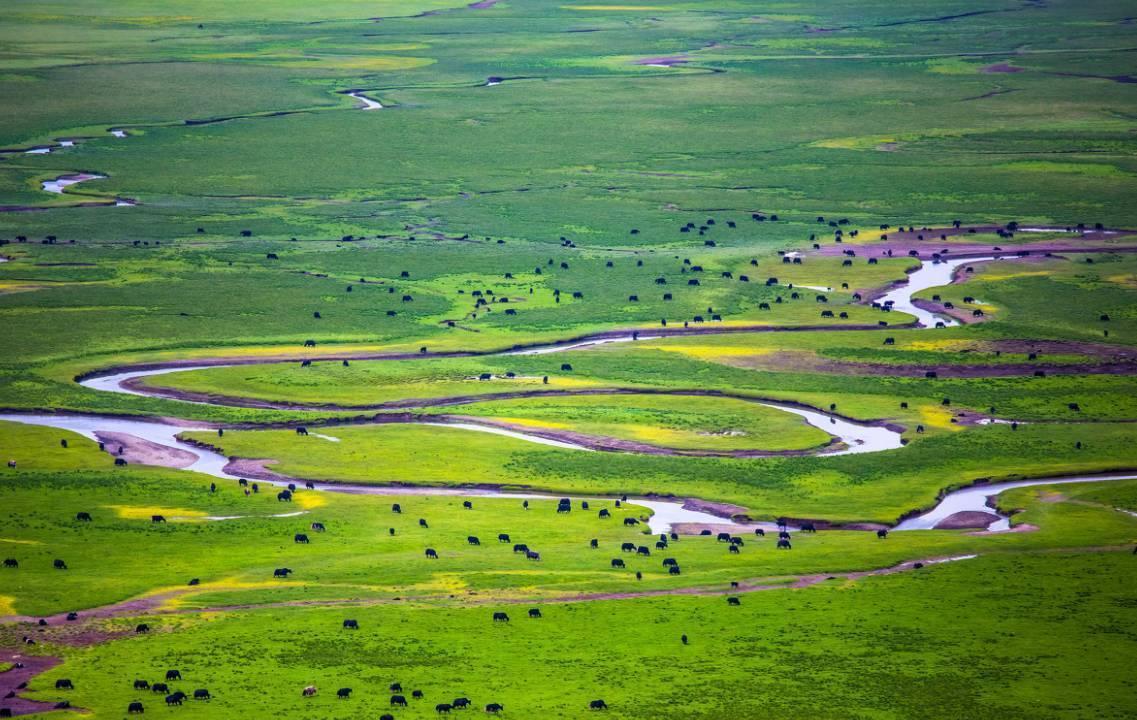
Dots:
pixel 466 218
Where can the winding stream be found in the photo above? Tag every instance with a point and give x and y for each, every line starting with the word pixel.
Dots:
pixel 61 183
pixel 857 438
pixel 974 499
pixel 665 513
pixel 211 463
pixel 931 274
pixel 368 103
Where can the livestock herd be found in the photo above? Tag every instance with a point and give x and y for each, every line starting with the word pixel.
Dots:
pixel 174 698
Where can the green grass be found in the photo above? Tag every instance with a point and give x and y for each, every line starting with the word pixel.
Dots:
pixel 876 486
pixel 860 111
pixel 674 422
pixel 915 651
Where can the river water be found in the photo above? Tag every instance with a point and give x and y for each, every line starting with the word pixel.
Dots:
pixel 931 274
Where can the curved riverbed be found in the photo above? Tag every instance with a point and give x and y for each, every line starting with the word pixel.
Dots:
pixel 854 437
pixel 61 183
pixel 974 499
pixel 212 463
pixel 666 513
pixel 931 274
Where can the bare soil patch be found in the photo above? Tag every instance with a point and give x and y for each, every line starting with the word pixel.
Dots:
pixel 967 519
pixel 11 680
pixel 137 451
pixel 955 243
pixel 1002 68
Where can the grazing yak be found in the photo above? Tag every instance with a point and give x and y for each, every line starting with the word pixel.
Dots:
pixel 173 675
pixel 343 693
pixel 432 553
pixel 351 624
pixel 597 705
pixel 534 612
pixel 281 572
pixel 159 688
pixel 202 694
pixel 135 708
pixel 309 691
pixel 300 538
pixel 83 516
pixel 500 617
pixel 398 700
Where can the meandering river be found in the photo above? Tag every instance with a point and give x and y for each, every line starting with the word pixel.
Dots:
pixel 855 437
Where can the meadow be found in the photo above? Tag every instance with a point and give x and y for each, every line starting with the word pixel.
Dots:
pixel 623 228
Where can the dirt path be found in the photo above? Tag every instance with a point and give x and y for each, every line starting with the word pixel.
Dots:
pixel 808 362
pixel 137 451
pixel 153 604
pixel 901 242
pixel 11 682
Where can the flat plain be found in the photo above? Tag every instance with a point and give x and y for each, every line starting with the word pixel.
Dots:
pixel 563 359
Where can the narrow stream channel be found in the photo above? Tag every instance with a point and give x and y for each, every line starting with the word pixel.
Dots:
pixel 666 513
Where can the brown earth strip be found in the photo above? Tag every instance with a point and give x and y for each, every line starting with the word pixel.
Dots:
pixel 791 361
pixel 11 681
pixel 153 604
pixel 900 242
pixel 1002 68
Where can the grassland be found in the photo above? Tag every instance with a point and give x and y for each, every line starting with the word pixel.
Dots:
pixel 660 167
